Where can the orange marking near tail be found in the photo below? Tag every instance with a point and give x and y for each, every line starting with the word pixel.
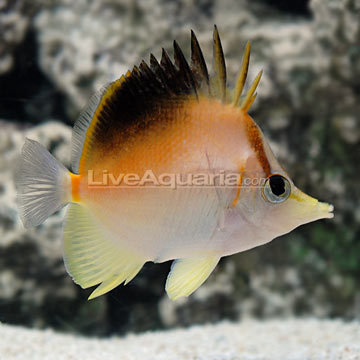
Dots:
pixel 75 185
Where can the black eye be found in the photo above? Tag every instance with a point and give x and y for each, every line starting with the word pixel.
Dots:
pixel 277 185
pixel 276 189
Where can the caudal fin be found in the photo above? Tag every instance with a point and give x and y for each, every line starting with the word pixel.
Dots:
pixel 43 184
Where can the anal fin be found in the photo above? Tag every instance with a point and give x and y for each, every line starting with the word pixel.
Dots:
pixel 187 275
pixel 126 275
pixel 93 256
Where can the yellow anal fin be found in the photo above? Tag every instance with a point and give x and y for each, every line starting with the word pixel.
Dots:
pixel 126 275
pixel 93 256
pixel 187 275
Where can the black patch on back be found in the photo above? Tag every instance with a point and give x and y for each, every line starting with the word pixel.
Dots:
pixel 148 93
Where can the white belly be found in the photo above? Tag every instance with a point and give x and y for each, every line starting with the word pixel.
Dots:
pixel 161 223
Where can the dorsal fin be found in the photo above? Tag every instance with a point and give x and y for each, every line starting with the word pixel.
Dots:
pixel 82 125
pixel 128 104
pixel 168 68
pixel 251 95
pixel 219 66
pixel 198 64
pixel 158 70
pixel 240 82
pixel 183 67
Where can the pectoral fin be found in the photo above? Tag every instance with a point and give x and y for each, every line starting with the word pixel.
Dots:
pixel 187 275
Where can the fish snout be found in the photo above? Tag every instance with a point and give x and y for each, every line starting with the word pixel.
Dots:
pixel 310 207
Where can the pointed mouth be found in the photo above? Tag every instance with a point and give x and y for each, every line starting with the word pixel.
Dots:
pixel 325 209
pixel 314 209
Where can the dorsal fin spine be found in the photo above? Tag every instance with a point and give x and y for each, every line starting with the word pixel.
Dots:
pixel 198 64
pixel 183 67
pixel 240 82
pixel 158 71
pixel 248 99
pixel 219 66
pixel 166 63
pixel 252 99
pixel 169 69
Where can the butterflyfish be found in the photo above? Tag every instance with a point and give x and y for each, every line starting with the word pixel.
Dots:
pixel 166 164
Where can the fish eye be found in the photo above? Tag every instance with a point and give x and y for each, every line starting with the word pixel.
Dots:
pixel 276 189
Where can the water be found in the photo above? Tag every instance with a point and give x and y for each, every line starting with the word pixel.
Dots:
pixel 54 55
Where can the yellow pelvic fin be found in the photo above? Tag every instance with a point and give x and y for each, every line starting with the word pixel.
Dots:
pixel 92 256
pixel 240 82
pixel 250 97
pixel 219 66
pixel 187 275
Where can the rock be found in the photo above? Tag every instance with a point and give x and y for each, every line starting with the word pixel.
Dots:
pixel 86 44
pixel 247 340
pixel 15 16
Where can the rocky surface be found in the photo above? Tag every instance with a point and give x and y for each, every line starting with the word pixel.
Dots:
pixel 249 340
pixel 15 16
pixel 308 106
pixel 85 44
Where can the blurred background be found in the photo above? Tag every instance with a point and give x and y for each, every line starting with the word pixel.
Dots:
pixel 55 54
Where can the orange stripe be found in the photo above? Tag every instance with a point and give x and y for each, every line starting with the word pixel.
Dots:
pixel 256 142
pixel 235 201
pixel 75 186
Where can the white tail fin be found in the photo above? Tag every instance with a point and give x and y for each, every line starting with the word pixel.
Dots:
pixel 43 184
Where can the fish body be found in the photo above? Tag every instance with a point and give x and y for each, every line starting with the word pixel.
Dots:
pixel 194 221
pixel 166 165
